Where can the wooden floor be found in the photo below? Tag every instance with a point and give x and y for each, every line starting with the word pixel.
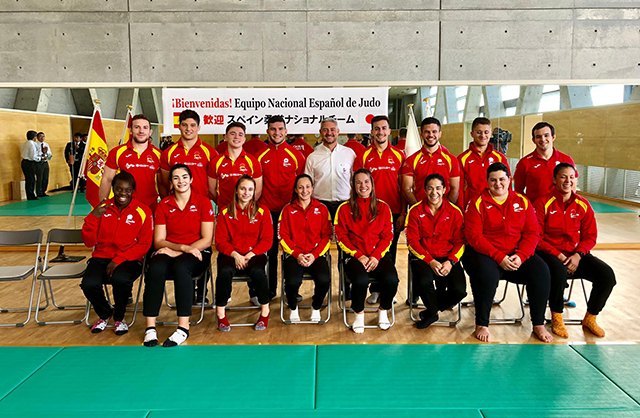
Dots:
pixel 620 319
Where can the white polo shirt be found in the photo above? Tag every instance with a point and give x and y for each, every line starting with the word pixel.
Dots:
pixel 331 172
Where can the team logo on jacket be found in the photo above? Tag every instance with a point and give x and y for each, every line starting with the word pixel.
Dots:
pixel 574 214
pixel 517 207
pixel 243 168
pixel 129 220
pixel 149 160
pixel 193 208
pixel 439 162
pixel 286 163
pixel 491 160
pixel 197 156
pixel 316 211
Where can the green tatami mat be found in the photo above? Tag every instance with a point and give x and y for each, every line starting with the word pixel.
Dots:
pixel 18 363
pixel 601 207
pixel 621 364
pixel 323 413
pixel 55 205
pixel 81 414
pixel 562 413
pixel 461 377
pixel 197 377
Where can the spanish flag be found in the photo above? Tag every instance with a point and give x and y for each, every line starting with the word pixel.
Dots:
pixel 126 136
pixel 176 119
pixel 96 156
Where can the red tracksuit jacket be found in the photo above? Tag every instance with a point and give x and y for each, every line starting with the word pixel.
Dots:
pixel 498 230
pixel 535 174
pixel 566 228
pixel 118 235
pixel 280 166
pixel 438 236
pixel 305 231
pixel 473 171
pixel 242 234
pixel 365 236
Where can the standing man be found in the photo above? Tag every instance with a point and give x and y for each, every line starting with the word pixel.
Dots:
pixel 225 170
pixel 281 163
pixel 299 143
pixel 42 175
pixel 402 139
pixel 475 161
pixel 190 151
pixel 432 158
pixel 140 158
pixel 30 159
pixel 73 153
pixel 534 172
pixel 354 144
pixel 385 161
pixel 255 146
pixel 330 166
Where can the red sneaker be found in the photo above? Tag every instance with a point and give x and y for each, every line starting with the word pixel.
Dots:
pixel 224 325
pixel 262 324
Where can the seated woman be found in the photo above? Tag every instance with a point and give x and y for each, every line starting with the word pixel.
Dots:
pixel 435 237
pixel 182 239
pixel 364 231
pixel 244 234
pixel 120 230
pixel 569 232
pixel 501 229
pixel 305 232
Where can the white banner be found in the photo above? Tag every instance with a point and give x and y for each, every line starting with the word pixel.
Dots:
pixel 302 108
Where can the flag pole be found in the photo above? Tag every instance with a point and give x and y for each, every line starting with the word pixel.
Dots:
pixel 127 122
pixel 62 257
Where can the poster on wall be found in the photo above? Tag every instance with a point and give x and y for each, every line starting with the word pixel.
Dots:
pixel 302 108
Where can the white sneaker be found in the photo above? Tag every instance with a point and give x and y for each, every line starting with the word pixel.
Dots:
pixel 254 301
pixel 120 328
pixel 373 298
pixel 358 324
pixel 294 316
pixel 383 320
pixel 99 326
pixel 315 315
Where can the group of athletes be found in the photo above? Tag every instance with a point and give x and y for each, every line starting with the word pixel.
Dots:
pixel 461 214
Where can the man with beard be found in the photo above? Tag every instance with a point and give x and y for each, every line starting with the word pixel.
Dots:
pixel 140 158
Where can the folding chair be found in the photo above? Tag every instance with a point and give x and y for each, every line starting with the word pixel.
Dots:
pixel 412 306
pixel 574 321
pixel 24 238
pixel 208 279
pixel 306 278
pixel 342 303
pixel 62 271
pixel 514 319
pixel 242 277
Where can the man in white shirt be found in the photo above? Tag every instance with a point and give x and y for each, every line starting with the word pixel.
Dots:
pixel 42 169
pixel 330 165
pixel 30 159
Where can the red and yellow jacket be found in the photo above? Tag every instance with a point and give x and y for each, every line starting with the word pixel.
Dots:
pixel 501 229
pixel 566 228
pixel 364 236
pixel 473 171
pixel 305 231
pixel 438 236
pixel 242 234
pixel 118 235
pixel 280 166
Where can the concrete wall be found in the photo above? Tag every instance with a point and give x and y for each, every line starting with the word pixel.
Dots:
pixel 295 41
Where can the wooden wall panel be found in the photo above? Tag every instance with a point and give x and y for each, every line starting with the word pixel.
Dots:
pixel 453 135
pixel 604 136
